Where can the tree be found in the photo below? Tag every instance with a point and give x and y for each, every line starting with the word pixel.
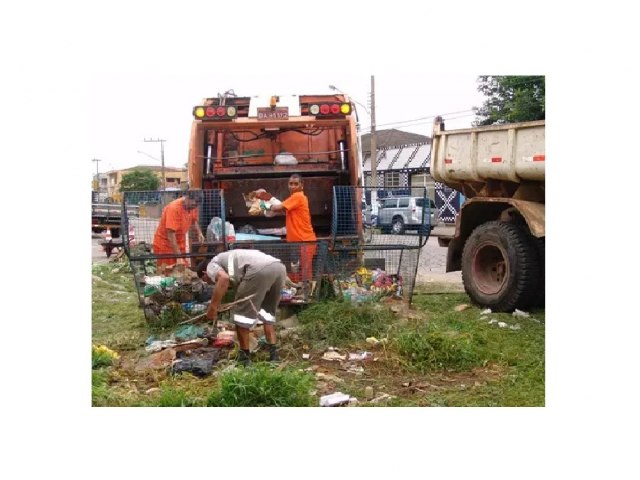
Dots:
pixel 139 180
pixel 510 99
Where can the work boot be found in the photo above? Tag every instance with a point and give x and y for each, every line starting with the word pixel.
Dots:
pixel 244 358
pixel 273 354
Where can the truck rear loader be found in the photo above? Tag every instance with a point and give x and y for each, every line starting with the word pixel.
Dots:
pixel 242 144
pixel 500 231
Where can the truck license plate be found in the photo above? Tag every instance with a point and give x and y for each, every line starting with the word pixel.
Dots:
pixel 278 113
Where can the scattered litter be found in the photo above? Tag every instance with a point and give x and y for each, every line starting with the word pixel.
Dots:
pixel 152 390
pixel 305 356
pixel 222 342
pixel 188 332
pixel 355 369
pixel 368 393
pixel 515 327
pixel 372 341
pixel 353 401
pixel 226 334
pixel 332 355
pixel 502 325
pixel 334 399
pixel 161 359
pixel 492 321
pixel 157 345
pixel 462 307
pixel 191 344
pixel 361 356
pixel 520 313
pixel 486 311
pixel 382 398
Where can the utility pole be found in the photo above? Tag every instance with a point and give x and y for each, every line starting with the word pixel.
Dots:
pixel 97 174
pixel 164 184
pixel 374 151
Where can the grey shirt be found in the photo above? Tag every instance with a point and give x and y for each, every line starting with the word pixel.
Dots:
pixel 244 264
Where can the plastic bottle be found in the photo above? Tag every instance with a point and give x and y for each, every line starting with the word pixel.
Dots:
pixel 214 230
pixel 231 232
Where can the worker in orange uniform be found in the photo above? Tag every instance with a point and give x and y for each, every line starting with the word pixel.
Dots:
pixel 178 217
pixel 298 223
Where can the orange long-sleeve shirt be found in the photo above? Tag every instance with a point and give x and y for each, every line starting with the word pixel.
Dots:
pixel 298 219
pixel 177 218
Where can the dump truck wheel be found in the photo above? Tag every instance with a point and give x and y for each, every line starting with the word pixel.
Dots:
pixel 539 297
pixel 500 267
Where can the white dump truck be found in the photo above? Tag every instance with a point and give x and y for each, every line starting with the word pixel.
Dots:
pixel 500 230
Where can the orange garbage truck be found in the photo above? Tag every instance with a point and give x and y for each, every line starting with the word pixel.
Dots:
pixel 240 144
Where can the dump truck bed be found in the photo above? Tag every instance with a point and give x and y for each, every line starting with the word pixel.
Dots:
pixel 512 153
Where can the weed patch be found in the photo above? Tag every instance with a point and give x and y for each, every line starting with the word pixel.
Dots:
pixel 430 349
pixel 263 386
pixel 340 323
pixel 176 398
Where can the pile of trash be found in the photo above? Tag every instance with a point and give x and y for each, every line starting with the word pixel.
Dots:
pixel 369 285
pixel 169 300
pixel 190 348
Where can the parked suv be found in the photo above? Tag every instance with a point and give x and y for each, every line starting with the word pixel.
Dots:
pixel 397 214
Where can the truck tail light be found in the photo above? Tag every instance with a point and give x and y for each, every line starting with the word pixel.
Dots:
pixel 330 109
pixel 215 112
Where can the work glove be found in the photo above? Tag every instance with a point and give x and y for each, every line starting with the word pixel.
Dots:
pixel 264 206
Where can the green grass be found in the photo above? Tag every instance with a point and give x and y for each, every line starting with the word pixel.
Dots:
pixel 263 386
pixel 340 323
pixel 117 321
pixel 430 348
pixel 520 353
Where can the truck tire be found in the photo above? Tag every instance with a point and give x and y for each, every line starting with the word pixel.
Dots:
pixel 539 297
pixel 397 226
pixel 500 267
pixel 115 232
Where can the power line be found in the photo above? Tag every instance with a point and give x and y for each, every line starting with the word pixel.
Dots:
pixel 365 130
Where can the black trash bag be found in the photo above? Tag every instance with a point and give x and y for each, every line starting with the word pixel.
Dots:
pixel 199 363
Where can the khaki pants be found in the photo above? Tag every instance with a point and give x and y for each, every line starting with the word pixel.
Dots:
pixel 267 285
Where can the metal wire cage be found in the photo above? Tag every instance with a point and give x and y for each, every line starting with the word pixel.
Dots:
pixel 361 260
pixel 391 218
pixel 377 238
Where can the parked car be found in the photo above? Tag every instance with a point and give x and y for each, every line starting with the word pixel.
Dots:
pixel 398 214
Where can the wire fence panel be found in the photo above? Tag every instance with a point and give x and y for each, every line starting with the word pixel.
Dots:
pixel 373 274
pixel 141 229
pixel 390 218
pixel 377 238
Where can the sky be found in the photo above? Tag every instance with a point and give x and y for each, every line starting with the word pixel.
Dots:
pixel 147 105
pixel 84 80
